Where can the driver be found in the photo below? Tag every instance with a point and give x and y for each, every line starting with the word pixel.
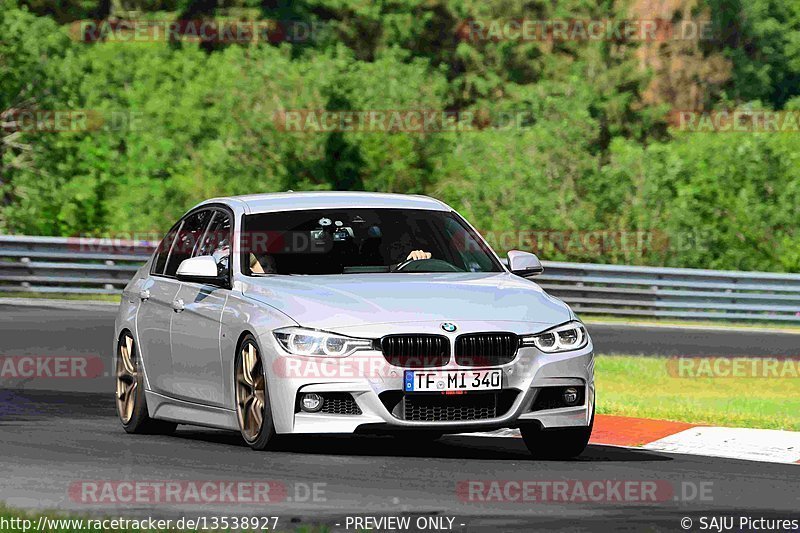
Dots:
pixel 417 255
pixel 265 263
pixel 397 249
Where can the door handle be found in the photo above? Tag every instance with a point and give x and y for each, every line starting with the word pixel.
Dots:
pixel 144 295
pixel 177 305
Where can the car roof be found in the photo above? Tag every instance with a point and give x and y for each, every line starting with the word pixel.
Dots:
pixel 299 201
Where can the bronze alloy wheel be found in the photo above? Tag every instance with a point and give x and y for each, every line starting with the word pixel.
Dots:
pixel 251 391
pixel 127 381
pixel 131 403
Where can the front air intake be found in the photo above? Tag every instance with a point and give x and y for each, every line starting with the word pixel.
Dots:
pixel 416 351
pixel 486 349
pixel 447 408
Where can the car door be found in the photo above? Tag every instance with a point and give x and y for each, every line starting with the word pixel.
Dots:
pixel 196 322
pixel 154 315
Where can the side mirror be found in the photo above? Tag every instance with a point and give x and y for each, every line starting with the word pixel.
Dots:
pixel 524 264
pixel 200 269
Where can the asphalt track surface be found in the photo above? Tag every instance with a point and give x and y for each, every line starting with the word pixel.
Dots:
pixel 52 440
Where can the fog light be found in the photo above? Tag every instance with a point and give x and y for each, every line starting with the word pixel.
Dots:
pixel 311 402
pixel 570 396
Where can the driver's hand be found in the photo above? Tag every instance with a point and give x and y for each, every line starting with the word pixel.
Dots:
pixel 418 254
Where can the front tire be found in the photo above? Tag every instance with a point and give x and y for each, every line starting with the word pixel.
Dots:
pixel 559 443
pixel 130 400
pixel 253 409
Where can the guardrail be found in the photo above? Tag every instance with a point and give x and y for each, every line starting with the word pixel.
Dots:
pixel 86 266
pixel 69 265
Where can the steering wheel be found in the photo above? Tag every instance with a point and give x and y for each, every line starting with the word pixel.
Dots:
pixel 426 265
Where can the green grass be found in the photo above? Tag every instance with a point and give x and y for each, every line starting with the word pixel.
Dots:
pixel 643 387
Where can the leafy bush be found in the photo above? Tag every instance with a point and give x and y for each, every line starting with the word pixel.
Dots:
pixel 559 146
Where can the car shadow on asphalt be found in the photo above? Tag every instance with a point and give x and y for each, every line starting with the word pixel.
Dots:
pixel 20 406
pixel 448 447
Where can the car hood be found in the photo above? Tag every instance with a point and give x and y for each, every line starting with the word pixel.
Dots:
pixel 340 301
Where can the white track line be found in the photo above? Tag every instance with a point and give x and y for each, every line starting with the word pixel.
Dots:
pixel 766 445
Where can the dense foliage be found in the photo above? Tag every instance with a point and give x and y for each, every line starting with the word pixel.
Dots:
pixel 567 148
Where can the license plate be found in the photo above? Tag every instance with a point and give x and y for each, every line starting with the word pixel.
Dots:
pixel 452 380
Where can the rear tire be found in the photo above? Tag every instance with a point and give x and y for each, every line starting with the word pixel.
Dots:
pixel 130 398
pixel 559 443
pixel 253 409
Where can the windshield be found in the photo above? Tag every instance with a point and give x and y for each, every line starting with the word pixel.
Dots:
pixel 351 241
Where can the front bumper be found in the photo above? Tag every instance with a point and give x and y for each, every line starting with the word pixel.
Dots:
pixel 368 377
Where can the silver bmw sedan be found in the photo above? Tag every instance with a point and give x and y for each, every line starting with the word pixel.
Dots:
pixel 337 312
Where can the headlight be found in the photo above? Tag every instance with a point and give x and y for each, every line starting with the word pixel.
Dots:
pixel 570 336
pixel 299 341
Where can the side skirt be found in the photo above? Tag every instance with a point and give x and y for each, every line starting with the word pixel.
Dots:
pixel 183 412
